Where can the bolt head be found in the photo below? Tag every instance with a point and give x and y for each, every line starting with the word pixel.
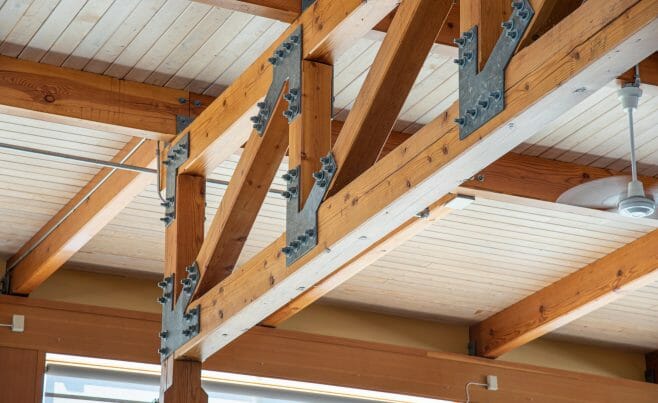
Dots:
pixel 164 334
pixel 459 42
pixel 163 300
pixel 182 100
pixel 460 121
pixel 319 175
pixel 163 351
pixel 273 60
pixel 286 250
pixel 286 194
pixel 310 232
pixel 162 284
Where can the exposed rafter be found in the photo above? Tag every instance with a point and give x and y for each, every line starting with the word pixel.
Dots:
pixel 597 284
pixel 513 174
pixel 93 207
pixel 575 58
pixel 386 87
pixel 89 100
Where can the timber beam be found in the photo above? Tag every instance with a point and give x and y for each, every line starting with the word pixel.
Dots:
pixel 513 174
pixel 93 207
pixel 93 101
pixel 575 58
pixel 595 285
pixel 64 328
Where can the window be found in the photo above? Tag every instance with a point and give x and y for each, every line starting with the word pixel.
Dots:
pixel 77 380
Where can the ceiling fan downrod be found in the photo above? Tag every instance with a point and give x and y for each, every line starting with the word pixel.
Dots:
pixel 636 203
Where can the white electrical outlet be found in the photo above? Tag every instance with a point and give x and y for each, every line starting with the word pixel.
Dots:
pixel 492 382
pixel 18 323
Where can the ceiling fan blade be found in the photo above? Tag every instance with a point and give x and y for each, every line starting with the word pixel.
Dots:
pixel 604 193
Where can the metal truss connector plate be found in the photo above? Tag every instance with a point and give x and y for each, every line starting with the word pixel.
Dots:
pixel 302 225
pixel 178 326
pixel 482 95
pixel 287 66
pixel 176 156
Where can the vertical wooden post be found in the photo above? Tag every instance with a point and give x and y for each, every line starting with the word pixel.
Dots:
pixel 488 15
pixel 180 380
pixel 310 133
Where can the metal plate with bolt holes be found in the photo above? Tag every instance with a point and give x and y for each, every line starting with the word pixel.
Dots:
pixel 176 156
pixel 482 95
pixel 178 326
pixel 287 62
pixel 302 225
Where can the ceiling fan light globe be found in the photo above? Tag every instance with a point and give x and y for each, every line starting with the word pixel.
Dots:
pixel 637 207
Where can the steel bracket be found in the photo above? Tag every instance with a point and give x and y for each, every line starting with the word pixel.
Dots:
pixel 182 122
pixel 287 62
pixel 306 4
pixel 302 225
pixel 176 156
pixel 482 95
pixel 178 326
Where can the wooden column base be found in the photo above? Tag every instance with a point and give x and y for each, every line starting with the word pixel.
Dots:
pixel 181 382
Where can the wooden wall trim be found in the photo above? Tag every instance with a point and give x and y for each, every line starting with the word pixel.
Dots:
pixel 66 328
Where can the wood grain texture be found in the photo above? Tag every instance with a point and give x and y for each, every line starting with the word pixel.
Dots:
pixel 329 28
pixel 21 374
pixel 537 178
pixel 386 87
pixel 572 297
pixel 72 329
pixel 487 15
pixel 310 132
pixel 184 236
pixel 433 162
pixel 91 100
pixel 242 200
pixel 114 190
pixel 404 233
pixel 180 382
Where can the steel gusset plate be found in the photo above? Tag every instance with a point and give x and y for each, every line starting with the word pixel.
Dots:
pixel 287 62
pixel 482 95
pixel 176 156
pixel 178 326
pixel 302 225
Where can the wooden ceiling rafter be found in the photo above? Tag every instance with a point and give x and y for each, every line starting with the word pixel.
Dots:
pixel 427 165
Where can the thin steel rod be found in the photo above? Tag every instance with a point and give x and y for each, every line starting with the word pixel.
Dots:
pixel 92 161
pixel 77 205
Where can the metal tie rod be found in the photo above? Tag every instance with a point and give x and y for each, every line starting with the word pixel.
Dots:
pixel 102 163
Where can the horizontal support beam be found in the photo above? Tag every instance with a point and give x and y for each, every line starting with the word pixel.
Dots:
pixel 93 101
pixel 577 57
pixel 88 331
pixel 574 296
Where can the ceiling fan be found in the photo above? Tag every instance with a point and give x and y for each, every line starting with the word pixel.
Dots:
pixel 623 194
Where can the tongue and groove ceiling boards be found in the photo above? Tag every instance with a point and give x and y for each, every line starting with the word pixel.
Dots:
pixel 464 267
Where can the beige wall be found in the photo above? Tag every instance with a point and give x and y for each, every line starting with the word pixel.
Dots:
pixel 140 294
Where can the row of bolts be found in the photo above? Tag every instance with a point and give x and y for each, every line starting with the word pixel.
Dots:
pixel 468 56
pixel 188 284
pixel 321 178
pixel 263 113
pixel 177 152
